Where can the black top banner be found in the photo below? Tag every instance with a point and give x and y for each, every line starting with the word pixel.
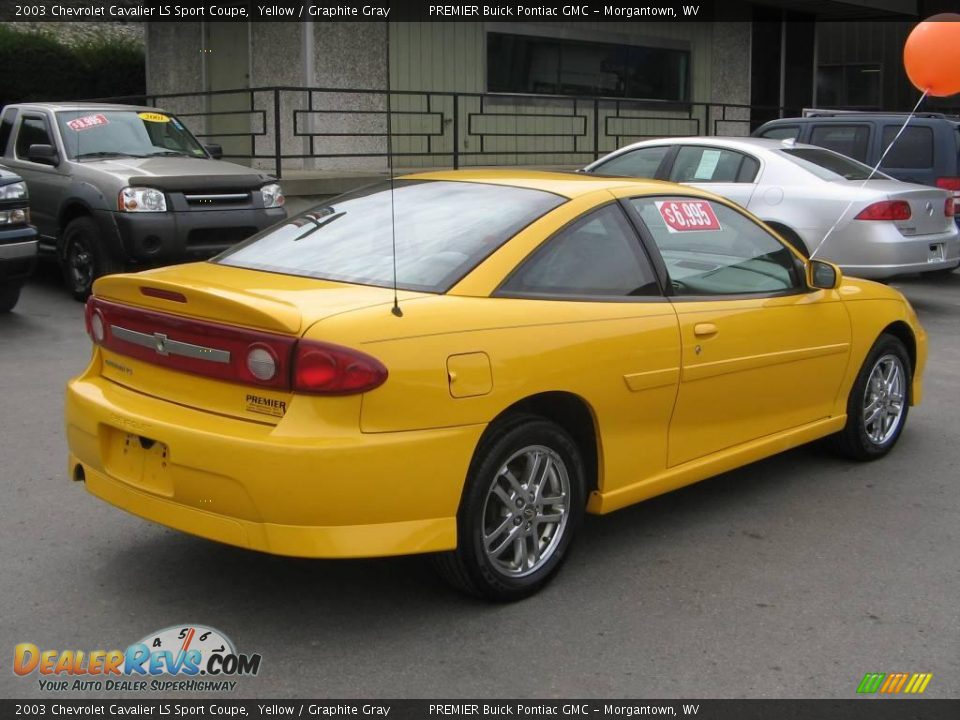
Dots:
pixel 501 709
pixel 437 11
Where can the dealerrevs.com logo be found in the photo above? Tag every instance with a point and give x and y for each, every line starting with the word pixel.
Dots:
pixel 178 658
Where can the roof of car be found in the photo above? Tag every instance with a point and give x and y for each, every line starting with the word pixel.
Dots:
pixel 567 184
pixel 68 106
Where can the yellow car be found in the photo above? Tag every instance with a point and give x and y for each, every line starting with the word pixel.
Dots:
pixel 467 363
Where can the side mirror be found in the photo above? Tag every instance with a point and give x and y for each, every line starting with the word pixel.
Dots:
pixel 823 275
pixel 43 154
pixel 214 150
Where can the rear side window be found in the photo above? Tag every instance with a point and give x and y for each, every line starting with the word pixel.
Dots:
pixel 641 163
pixel 33 131
pixel 705 164
pixel 6 127
pixel 913 149
pixel 598 255
pixel 783 132
pixel 849 140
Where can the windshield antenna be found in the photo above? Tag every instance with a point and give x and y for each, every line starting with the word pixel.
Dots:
pixel 393 215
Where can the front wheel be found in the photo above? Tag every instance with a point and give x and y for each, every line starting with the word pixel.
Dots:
pixel 879 402
pixel 85 258
pixel 9 296
pixel 523 501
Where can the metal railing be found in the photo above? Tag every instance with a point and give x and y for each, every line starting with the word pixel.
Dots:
pixel 345 128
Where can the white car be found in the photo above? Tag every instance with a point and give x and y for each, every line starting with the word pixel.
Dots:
pixel 892 228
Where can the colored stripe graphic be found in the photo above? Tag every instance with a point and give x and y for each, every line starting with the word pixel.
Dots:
pixel 894 683
pixel 871 682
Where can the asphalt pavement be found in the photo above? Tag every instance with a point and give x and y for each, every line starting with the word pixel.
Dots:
pixel 789 578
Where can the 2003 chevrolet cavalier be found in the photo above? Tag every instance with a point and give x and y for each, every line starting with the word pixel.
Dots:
pixel 564 343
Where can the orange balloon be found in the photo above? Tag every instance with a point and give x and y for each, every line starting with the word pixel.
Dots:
pixel 931 55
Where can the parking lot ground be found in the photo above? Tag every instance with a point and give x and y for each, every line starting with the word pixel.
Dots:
pixel 789 578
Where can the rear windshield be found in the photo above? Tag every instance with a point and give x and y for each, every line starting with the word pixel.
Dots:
pixel 90 134
pixel 443 230
pixel 829 165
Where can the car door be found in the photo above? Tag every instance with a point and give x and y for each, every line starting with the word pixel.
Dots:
pixel 761 352
pixel 718 170
pixel 47 184
pixel 605 332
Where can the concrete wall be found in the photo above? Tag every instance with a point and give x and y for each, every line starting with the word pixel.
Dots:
pixel 431 60
pixel 175 65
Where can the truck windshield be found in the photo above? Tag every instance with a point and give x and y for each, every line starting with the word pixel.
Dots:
pixel 92 133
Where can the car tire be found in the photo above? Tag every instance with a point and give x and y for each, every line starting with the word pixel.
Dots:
pixel 9 295
pixel 84 257
pixel 879 402
pixel 506 550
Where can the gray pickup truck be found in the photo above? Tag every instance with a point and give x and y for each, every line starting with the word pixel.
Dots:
pixel 119 187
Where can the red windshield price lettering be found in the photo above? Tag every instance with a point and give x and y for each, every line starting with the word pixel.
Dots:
pixel 87 121
pixel 688 216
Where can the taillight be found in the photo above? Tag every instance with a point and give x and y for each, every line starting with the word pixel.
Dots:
pixel 231 354
pixel 199 347
pixel 325 369
pixel 949 183
pixel 886 210
pixel 950 207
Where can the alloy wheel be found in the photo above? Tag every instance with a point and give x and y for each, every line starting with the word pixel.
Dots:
pixel 526 511
pixel 884 399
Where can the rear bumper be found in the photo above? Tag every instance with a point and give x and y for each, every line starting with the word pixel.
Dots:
pixel 161 238
pixel 326 493
pixel 881 252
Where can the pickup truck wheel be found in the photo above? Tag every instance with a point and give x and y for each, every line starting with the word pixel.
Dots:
pixel 84 259
pixel 8 297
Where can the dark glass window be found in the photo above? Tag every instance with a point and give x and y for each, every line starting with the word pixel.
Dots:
pixel 554 66
pixel 6 127
pixel 695 164
pixel 829 165
pixel 913 149
pixel 641 163
pixel 598 255
pixel 782 132
pixel 735 257
pixel 848 86
pixel 849 140
pixel 33 131
pixel 431 232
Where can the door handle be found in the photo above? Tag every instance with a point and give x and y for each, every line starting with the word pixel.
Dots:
pixel 704 329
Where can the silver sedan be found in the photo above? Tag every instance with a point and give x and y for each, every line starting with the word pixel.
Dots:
pixel 891 228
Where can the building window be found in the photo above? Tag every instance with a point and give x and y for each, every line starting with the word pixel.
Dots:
pixel 856 86
pixel 554 66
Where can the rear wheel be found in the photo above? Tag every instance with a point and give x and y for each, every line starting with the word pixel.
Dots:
pixel 523 501
pixel 879 402
pixel 84 259
pixel 9 295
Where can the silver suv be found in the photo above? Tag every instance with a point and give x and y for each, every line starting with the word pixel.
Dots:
pixel 116 187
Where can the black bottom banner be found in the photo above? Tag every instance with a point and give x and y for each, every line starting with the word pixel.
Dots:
pixel 860 709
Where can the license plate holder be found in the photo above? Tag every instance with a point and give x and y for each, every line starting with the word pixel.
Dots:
pixel 935 253
pixel 140 461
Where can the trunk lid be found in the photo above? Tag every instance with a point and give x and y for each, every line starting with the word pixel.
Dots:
pixel 926 206
pixel 183 333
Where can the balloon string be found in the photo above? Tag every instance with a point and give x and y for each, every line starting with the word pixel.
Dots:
pixel 873 172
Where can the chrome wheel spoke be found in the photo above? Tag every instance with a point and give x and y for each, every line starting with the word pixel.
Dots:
pixel 511 538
